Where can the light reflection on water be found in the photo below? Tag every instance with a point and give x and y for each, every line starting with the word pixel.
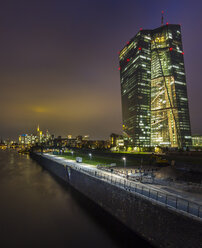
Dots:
pixel 37 211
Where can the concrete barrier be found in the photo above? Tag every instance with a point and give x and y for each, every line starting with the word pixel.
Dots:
pixel 161 226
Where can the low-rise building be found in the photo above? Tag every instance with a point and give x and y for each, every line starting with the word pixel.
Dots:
pixel 197 140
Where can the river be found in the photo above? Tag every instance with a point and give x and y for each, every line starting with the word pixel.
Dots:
pixel 38 211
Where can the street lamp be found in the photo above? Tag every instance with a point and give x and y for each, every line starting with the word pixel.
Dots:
pixel 124 160
pixel 90 155
pixel 72 153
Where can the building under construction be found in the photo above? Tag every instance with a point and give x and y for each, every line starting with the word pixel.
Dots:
pixel 153 89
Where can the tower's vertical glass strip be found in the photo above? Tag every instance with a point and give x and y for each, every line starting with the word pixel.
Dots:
pixel 178 71
pixel 135 72
pixel 163 114
pixel 170 124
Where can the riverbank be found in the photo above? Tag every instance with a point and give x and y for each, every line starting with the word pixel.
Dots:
pixel 38 211
pixel 136 209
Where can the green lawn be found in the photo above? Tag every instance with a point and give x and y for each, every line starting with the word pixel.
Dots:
pixel 106 160
pixel 143 153
pixel 95 160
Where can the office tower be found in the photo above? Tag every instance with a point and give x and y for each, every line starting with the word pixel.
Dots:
pixel 135 70
pixel 153 89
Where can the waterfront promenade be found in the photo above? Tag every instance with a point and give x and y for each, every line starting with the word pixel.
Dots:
pixel 175 201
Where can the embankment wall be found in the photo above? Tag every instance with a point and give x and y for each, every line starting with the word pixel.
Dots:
pixel 160 225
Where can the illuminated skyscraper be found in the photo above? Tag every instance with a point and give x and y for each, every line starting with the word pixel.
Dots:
pixel 153 88
pixel 135 70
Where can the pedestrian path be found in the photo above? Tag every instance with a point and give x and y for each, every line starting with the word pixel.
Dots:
pixel 174 199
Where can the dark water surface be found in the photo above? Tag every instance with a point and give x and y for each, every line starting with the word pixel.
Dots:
pixel 38 211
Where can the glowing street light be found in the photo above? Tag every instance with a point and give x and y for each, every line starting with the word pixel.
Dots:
pixel 124 160
pixel 72 153
pixel 90 155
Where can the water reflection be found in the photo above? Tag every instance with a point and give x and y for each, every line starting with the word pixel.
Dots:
pixel 38 211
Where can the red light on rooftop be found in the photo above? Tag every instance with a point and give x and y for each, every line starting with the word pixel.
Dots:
pixel 166 23
pixel 140 48
pixel 119 68
pixel 128 43
pixel 170 48
pixel 118 52
pixel 140 29
pixel 128 60
pixel 162 11
pixel 183 53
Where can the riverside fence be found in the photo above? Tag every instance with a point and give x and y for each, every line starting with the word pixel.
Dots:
pixel 168 200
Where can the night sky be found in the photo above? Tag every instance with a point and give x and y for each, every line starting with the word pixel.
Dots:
pixel 59 62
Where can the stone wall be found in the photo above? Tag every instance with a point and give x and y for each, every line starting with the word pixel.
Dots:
pixel 160 225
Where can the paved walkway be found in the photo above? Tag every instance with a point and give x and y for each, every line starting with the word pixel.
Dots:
pixel 168 195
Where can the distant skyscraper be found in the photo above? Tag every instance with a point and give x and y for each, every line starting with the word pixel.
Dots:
pixel 153 88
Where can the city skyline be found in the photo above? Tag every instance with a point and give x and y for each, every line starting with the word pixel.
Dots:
pixel 59 68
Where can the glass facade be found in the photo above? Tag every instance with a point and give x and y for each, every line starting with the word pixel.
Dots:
pixel 197 140
pixel 135 69
pixel 153 88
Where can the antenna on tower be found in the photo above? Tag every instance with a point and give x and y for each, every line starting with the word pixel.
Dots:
pixel 162 12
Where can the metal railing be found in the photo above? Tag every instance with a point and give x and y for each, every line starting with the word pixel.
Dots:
pixel 169 200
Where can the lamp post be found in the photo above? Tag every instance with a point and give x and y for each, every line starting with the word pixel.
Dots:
pixel 90 155
pixel 124 160
pixel 72 153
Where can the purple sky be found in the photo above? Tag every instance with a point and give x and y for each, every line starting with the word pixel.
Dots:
pixel 59 61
